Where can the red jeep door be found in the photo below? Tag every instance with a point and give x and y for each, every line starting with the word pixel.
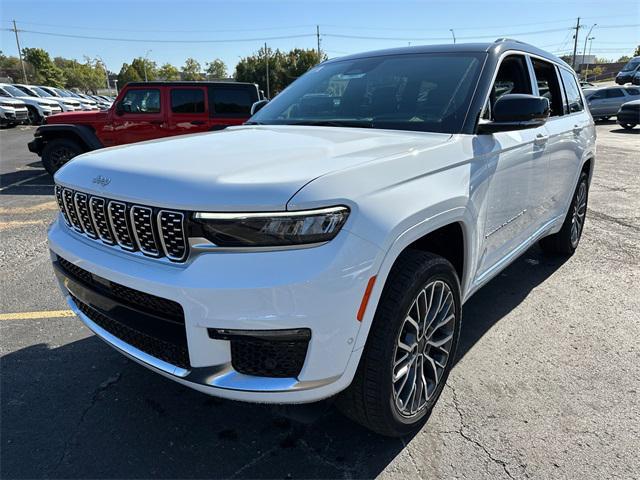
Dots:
pixel 230 104
pixel 188 110
pixel 139 116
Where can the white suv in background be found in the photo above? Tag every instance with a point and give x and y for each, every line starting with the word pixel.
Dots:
pixel 67 105
pixel 325 248
pixel 12 111
pixel 38 108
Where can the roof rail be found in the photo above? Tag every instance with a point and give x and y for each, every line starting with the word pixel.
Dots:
pixel 506 39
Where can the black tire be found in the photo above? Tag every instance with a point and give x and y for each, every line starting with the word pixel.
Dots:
pixel 628 126
pixel 370 400
pixel 59 151
pixel 564 243
pixel 34 117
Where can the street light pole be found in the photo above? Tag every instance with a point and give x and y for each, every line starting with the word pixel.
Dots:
pixel 146 55
pixel 266 55
pixel 585 42
pixel 106 72
pixel 588 58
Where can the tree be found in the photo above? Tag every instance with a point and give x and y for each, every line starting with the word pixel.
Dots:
pixel 623 59
pixel 128 74
pixel 636 53
pixel 168 72
pixel 139 70
pixel 46 71
pixel 216 69
pixel 191 70
pixel 10 67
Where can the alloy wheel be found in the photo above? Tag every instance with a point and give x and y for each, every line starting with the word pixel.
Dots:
pixel 579 212
pixel 422 348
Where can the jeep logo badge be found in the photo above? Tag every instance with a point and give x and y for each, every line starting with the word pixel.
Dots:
pixel 102 181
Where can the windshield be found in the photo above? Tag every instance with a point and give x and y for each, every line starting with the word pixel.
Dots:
pixel 423 92
pixel 41 92
pixel 632 65
pixel 14 91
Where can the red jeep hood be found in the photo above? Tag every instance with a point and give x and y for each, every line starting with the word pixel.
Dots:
pixel 78 117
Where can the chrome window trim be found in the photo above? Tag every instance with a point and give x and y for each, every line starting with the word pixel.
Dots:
pixel 184 235
pixel 153 231
pixel 131 248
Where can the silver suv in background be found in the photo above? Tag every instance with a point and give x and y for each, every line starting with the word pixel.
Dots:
pixel 66 104
pixel 38 108
pixel 606 102
pixel 12 112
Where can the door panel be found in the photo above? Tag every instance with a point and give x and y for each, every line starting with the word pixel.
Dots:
pixel 142 118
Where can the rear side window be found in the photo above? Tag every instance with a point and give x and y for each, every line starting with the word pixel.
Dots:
pixel 633 91
pixel 548 85
pixel 232 101
pixel 615 93
pixel 141 100
pixel 571 89
pixel 187 100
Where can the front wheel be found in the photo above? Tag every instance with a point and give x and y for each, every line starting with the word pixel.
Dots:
pixel 566 240
pixel 410 349
pixel 628 126
pixel 34 117
pixel 57 152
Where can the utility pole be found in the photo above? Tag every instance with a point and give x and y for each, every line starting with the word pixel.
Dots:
pixel 318 37
pixel 266 55
pixel 24 72
pixel 454 35
pixel 586 76
pixel 575 44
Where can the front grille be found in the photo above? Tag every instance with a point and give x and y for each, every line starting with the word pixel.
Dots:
pixel 134 298
pixel 174 353
pixel 268 358
pixel 153 232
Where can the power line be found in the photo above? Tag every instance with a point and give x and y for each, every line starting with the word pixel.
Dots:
pixel 158 40
pixel 361 37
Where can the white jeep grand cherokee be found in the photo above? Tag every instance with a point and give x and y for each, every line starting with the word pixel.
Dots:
pixel 327 246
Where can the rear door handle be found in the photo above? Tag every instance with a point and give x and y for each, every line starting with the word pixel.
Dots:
pixel 541 139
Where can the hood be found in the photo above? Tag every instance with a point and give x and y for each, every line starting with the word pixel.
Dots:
pixel 12 101
pixel 241 168
pixel 44 101
pixel 78 117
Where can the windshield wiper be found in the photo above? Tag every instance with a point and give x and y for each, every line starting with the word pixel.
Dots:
pixel 334 123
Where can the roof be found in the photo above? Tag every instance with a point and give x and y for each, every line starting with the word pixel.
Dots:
pixel 493 48
pixel 187 83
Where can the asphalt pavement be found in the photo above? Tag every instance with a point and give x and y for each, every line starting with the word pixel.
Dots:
pixel 546 384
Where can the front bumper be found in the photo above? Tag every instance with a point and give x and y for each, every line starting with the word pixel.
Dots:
pixel 319 289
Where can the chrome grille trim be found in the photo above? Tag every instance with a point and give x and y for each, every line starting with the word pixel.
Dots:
pixel 172 238
pixel 139 229
pixel 81 203
pixel 143 230
pixel 97 207
pixel 120 225
pixel 67 197
pixel 61 206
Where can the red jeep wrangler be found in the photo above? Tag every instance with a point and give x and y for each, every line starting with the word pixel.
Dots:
pixel 144 111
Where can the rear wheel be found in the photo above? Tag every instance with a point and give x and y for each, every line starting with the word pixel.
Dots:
pixel 566 240
pixel 59 151
pixel 628 126
pixel 410 349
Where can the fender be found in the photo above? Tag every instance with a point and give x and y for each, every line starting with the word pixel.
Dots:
pixel 85 134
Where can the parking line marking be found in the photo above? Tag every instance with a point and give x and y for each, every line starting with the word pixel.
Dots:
pixel 37 315
pixel 22 181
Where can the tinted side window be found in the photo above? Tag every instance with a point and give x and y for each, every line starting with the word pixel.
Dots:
pixel 142 100
pixel 232 101
pixel 187 100
pixel 614 93
pixel 548 85
pixel 571 89
pixel 633 91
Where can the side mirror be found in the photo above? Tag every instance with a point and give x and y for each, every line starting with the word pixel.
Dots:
pixel 256 107
pixel 516 111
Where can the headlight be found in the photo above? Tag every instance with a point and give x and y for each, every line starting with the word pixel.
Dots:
pixel 274 229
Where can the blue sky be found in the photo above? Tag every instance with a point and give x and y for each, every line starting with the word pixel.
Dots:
pixel 162 29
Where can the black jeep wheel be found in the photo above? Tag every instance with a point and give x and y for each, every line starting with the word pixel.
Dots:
pixel 34 117
pixel 59 151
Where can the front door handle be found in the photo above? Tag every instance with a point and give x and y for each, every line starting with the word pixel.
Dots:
pixel 541 139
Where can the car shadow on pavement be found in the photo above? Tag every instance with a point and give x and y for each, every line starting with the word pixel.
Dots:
pixel 633 131
pixel 26 182
pixel 82 410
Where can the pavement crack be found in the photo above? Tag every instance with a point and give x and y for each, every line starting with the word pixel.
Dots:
pixel 95 397
pixel 468 438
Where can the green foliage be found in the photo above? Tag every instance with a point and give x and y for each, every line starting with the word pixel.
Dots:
pixel 623 59
pixel 284 68
pixel 88 77
pixel 191 70
pixel 46 72
pixel 10 67
pixel 216 69
pixel 137 71
pixel 636 52
pixel 168 72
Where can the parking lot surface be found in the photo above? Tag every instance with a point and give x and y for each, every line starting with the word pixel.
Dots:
pixel 546 384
